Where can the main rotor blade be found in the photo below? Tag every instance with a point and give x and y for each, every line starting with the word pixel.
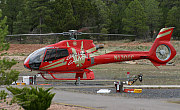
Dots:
pixel 48 34
pixel 71 33
pixel 108 34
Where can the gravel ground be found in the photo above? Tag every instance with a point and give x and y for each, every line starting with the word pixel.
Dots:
pixel 146 93
pixel 93 86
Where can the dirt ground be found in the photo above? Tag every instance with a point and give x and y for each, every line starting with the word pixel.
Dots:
pixel 54 106
pixel 23 49
pixel 26 49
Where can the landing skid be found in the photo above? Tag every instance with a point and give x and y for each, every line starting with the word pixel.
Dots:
pixel 79 76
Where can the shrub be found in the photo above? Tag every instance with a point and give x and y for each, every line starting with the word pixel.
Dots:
pixel 3 94
pixel 32 98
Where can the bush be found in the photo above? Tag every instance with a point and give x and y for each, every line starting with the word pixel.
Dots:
pixel 32 98
pixel 3 94
pixel 7 76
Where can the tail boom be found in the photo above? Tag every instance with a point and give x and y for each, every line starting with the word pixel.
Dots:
pixel 160 53
pixel 120 56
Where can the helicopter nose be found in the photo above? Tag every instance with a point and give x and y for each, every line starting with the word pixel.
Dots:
pixel 26 64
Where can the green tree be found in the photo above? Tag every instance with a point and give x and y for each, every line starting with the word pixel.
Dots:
pixel 21 25
pixel 135 19
pixel 116 15
pixel 173 20
pixel 6 76
pixel 166 5
pixel 85 13
pixel 103 20
pixel 154 15
pixel 32 98
pixel 62 16
pixel 12 8
pixel 3 32
pixel 38 14
pixel 2 5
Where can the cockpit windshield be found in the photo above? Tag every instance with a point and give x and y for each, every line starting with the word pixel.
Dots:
pixel 48 53
pixel 37 56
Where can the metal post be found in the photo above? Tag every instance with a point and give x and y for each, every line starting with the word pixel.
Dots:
pixel 128 76
pixel 34 79
pixel 121 87
pixel 79 81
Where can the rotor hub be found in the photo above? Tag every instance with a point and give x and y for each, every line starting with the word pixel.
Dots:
pixel 72 31
pixel 162 52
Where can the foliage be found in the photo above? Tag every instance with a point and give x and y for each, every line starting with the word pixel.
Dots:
pixel 11 9
pixel 6 76
pixel 154 16
pixel 116 12
pixel 103 14
pixel 173 19
pixel 21 24
pixel 64 22
pixel 3 95
pixel 3 33
pixel 166 5
pixel 32 98
pixel 135 18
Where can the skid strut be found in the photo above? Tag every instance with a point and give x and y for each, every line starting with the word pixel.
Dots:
pixel 79 75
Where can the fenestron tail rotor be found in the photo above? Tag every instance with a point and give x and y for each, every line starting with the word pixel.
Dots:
pixel 163 52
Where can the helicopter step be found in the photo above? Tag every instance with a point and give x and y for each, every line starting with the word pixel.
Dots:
pixel 89 75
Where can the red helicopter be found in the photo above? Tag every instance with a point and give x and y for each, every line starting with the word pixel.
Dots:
pixel 75 56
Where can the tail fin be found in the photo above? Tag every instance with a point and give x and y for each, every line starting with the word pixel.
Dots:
pixel 162 51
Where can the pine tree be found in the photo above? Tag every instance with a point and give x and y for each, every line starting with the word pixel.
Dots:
pixel 3 32
pixel 135 19
pixel 116 15
pixel 2 5
pixel 154 15
pixel 166 5
pixel 85 13
pixel 38 15
pixel 6 76
pixel 103 20
pixel 12 8
pixel 173 20
pixel 62 16
pixel 21 25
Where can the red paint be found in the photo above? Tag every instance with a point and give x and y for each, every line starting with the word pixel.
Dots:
pixel 80 51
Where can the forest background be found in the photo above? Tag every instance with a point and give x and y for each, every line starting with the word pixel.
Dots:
pixel 143 18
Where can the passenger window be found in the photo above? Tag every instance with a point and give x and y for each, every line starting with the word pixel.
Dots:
pixel 54 54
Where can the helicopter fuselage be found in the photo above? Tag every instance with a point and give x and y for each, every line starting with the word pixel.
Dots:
pixel 64 57
pixel 75 56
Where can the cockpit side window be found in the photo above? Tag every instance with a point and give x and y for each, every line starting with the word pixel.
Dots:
pixel 54 54
pixel 61 53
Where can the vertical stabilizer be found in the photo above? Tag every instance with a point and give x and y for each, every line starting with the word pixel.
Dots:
pixel 162 51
